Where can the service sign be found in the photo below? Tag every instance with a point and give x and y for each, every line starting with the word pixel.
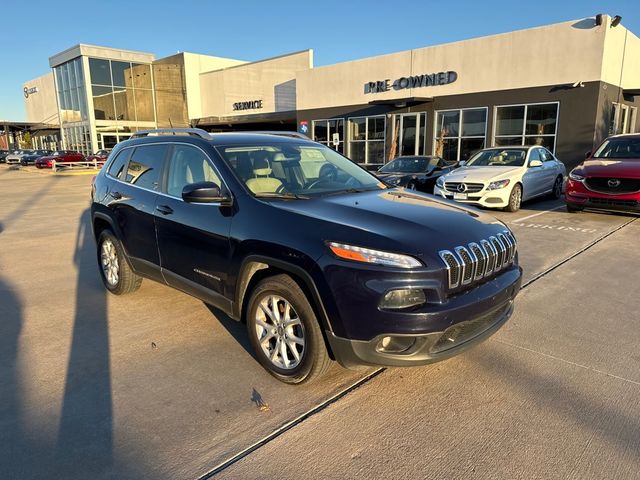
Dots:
pixel 413 81
pixel 250 105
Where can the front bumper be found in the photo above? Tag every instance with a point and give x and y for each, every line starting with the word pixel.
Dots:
pixel 484 198
pixel 466 317
pixel 579 196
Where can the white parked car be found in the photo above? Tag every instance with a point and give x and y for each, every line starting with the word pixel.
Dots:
pixel 504 177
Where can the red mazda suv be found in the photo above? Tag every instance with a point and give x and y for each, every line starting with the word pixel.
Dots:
pixel 609 179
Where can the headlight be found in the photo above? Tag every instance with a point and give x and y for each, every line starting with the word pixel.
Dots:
pixel 575 176
pixel 499 184
pixel 440 182
pixel 378 257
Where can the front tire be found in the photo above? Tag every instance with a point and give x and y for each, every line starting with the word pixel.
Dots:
pixel 515 199
pixel 572 209
pixel 285 332
pixel 117 275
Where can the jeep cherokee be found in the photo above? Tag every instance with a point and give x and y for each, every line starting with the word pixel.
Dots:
pixel 320 259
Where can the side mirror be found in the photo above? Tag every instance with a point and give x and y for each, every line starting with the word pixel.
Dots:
pixel 535 163
pixel 462 163
pixel 204 192
pixel 587 154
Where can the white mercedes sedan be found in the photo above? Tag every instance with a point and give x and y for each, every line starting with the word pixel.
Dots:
pixel 504 177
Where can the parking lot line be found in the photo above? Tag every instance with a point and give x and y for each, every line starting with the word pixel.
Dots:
pixel 539 213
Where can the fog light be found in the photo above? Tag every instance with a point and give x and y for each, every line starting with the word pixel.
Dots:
pixel 395 344
pixel 403 298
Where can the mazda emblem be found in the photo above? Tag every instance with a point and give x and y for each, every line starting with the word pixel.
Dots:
pixel 462 188
pixel 614 182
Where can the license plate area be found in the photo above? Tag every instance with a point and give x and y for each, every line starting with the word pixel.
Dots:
pixel 460 196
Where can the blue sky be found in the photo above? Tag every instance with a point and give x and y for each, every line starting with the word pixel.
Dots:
pixel 250 30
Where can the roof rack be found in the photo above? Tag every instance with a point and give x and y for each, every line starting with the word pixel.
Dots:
pixel 194 132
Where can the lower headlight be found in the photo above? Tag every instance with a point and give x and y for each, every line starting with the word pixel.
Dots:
pixel 402 298
pixel 498 185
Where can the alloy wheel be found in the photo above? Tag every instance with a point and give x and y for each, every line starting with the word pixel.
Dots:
pixel 280 332
pixel 109 262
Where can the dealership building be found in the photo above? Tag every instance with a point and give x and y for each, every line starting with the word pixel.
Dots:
pixel 565 86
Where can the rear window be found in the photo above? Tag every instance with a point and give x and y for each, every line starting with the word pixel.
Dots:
pixel 117 167
pixel 145 166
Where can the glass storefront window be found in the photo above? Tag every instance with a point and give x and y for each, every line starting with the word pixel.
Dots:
pixel 141 76
pixel 121 73
pixel 100 71
pixel 460 133
pixel 144 105
pixel 103 106
pixel 324 131
pixel 529 124
pixel 367 139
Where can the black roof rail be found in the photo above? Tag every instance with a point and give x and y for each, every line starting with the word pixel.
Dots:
pixel 195 132
pixel 281 133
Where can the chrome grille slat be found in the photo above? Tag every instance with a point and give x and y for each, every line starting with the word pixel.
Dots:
pixel 469 187
pixel 470 263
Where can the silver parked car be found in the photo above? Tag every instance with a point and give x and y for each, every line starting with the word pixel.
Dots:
pixel 16 156
pixel 504 177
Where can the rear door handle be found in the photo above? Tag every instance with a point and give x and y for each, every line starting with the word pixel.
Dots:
pixel 115 195
pixel 164 209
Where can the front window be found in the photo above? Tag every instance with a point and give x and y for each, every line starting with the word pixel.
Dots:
pixel 410 165
pixel 532 124
pixel 619 148
pixel 460 133
pixel 296 170
pixel 499 157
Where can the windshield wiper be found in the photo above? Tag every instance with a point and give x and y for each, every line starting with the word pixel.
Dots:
pixel 287 195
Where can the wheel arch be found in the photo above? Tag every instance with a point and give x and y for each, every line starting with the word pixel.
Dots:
pixel 256 268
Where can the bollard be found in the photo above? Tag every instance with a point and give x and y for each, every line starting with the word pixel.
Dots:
pixel 53 166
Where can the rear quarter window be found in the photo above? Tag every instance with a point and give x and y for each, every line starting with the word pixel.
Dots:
pixel 117 167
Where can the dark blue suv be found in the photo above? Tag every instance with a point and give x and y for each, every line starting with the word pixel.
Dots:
pixel 319 258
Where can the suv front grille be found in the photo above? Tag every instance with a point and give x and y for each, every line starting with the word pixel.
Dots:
pixel 621 186
pixel 470 263
pixel 468 187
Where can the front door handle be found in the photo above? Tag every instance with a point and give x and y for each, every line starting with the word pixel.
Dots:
pixel 164 209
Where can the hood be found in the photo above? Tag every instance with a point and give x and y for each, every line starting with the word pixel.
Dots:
pixel 396 220
pixel 480 174
pixel 391 176
pixel 597 167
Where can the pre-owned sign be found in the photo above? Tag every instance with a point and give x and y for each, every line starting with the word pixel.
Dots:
pixel 413 81
pixel 250 105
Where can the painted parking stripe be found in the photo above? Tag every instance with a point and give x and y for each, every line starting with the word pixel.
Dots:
pixel 539 213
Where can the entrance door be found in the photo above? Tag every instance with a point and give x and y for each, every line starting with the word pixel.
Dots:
pixel 411 128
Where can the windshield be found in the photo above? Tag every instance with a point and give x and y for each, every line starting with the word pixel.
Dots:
pixel 619 148
pixel 296 170
pixel 499 157
pixel 410 165
pixel 58 153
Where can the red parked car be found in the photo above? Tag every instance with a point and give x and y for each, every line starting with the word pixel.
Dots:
pixel 99 156
pixel 61 156
pixel 609 179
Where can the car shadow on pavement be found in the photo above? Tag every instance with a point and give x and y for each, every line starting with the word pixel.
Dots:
pixel 85 443
pixel 238 330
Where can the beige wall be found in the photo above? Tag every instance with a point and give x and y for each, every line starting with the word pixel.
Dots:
pixel 271 80
pixel 41 106
pixel 614 71
pixel 556 54
pixel 194 65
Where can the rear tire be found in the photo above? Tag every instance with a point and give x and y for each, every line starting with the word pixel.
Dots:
pixel 515 199
pixel 556 193
pixel 117 275
pixel 285 332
